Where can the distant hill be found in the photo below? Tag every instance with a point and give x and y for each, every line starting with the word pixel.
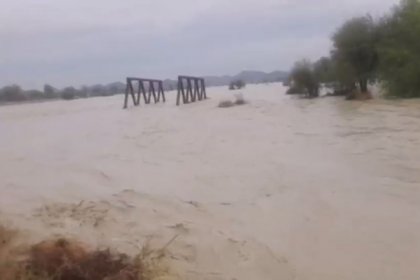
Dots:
pixel 249 77
pixel 255 77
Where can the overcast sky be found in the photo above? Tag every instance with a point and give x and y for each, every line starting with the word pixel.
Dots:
pixel 75 42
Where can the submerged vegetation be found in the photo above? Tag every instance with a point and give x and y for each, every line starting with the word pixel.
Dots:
pixel 237 84
pixel 304 80
pixel 367 51
pixel 64 259
pixel 239 100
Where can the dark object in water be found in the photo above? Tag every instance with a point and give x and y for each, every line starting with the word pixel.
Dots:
pixel 154 87
pixel 191 89
pixel 68 260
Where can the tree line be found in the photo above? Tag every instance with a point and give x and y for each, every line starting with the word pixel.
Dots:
pixel 385 51
pixel 15 93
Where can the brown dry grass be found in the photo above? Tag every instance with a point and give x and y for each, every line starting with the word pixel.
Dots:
pixel 226 104
pixel 7 267
pixel 68 260
pixel 239 100
pixel 64 259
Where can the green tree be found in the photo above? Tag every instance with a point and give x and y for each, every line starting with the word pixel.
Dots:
pixel 399 50
pixel 34 94
pixel 50 91
pixel 68 93
pixel 12 93
pixel 324 70
pixel 304 79
pixel 355 52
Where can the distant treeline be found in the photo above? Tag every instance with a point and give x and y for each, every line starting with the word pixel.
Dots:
pixel 365 50
pixel 15 93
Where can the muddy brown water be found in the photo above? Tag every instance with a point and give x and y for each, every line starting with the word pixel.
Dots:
pixel 284 188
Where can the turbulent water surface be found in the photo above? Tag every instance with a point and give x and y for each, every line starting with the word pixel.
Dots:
pixel 280 188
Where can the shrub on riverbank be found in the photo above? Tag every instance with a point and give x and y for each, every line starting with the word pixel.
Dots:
pixel 64 259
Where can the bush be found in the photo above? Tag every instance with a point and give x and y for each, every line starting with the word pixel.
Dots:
pixel 64 259
pixel 68 93
pixel 12 94
pixel 226 104
pixel 237 84
pixel 295 90
pixel 240 100
pixel 50 91
pixel 304 79
pixel 35 94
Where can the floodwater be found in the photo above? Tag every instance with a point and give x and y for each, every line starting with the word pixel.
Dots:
pixel 280 188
